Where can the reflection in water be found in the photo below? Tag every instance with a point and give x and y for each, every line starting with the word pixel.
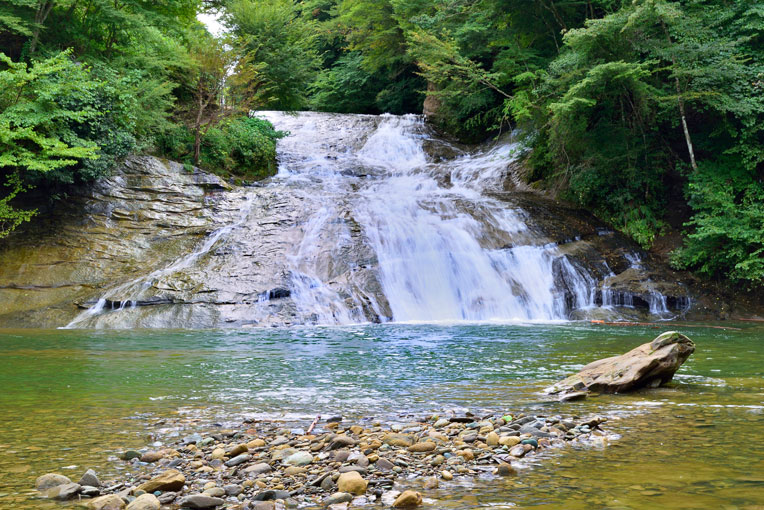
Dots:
pixel 73 398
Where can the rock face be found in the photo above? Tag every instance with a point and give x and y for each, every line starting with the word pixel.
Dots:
pixel 649 365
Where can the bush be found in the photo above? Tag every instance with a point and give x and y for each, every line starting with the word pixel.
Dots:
pixel 244 147
pixel 728 236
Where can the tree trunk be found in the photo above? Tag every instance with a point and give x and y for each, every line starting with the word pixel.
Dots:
pixel 39 18
pixel 684 126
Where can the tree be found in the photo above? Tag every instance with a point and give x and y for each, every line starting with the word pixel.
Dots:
pixel 34 125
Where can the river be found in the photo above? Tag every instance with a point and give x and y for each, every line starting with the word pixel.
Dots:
pixel 73 398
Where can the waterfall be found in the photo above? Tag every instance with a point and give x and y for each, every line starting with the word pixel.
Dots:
pixel 445 252
pixel 377 218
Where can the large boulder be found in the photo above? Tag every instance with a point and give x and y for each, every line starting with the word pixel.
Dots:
pixel 649 365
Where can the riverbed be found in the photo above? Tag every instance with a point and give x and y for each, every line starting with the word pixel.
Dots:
pixel 73 398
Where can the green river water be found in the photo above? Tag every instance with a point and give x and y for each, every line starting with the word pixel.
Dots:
pixel 71 399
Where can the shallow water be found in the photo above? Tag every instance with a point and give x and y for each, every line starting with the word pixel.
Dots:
pixel 72 398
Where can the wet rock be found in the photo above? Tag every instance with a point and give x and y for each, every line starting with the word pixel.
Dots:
pixel 446 475
pixel 408 499
pixel 384 465
pixel 338 497
pixel 110 502
pixel 649 365
pixel 492 439
pixel 431 483
pixel 505 470
pixel 145 502
pixel 50 480
pixel 129 455
pixel 200 501
pixel 170 480
pixel 63 492
pixel 352 482
pixel 90 478
pixel 518 451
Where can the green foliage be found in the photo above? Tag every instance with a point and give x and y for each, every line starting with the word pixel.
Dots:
pixel 281 44
pixel 244 147
pixel 36 136
pixel 728 235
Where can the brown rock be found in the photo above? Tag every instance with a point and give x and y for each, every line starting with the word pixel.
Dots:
pixel 423 447
pixel 151 456
pixel 352 482
pixel 238 450
pixel 649 365
pixel 402 440
pixel 408 498
pixel 170 480
pixel 110 502
pixel 505 470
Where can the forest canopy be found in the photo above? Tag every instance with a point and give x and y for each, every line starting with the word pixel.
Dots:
pixel 649 113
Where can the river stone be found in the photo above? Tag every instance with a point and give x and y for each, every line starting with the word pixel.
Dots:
pixel 431 483
pixel 505 469
pixel 443 422
pixel 423 447
pixel 239 459
pixel 259 468
pixel 342 442
pixel 299 459
pixel 271 495
pixel 150 457
pixel 145 502
pixel 446 475
pixel 110 502
pixel 89 491
pixel 63 492
pixel 509 441
pixel 295 470
pixel 170 480
pixel 408 498
pixel 217 454
pixel 401 440
pixel 518 451
pixel 238 450
pixel 200 501
pixel 232 489
pixel 649 365
pixel 129 455
pixel 352 482
pixel 50 480
pixel 90 478
pixel 338 497
pixel 215 492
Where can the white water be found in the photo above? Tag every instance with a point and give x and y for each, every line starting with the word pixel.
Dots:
pixel 435 244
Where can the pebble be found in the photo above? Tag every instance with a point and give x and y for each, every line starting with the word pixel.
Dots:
pixel 352 482
pixel 200 501
pixel 446 475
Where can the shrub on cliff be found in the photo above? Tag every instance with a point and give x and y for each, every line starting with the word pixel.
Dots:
pixel 243 148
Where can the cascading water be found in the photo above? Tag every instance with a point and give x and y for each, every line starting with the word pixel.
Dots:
pixel 375 218
pixel 436 246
